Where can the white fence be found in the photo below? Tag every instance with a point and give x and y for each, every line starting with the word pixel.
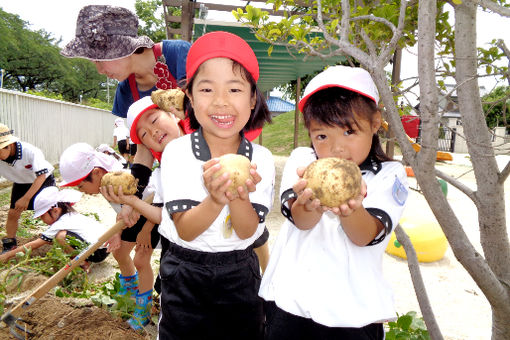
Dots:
pixel 53 125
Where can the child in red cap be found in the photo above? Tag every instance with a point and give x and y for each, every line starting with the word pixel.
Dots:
pixel 210 273
pixel 154 128
pixel 324 279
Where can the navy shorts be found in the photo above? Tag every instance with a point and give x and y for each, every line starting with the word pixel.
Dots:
pixel 132 149
pixel 130 234
pixel 98 256
pixel 210 295
pixel 122 145
pixel 281 325
pixel 20 189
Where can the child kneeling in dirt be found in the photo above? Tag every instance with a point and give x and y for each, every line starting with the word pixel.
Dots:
pixel 84 167
pixel 25 166
pixel 54 208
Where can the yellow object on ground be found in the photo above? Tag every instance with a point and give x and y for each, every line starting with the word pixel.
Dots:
pixel 426 236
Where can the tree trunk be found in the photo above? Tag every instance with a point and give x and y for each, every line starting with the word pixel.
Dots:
pixel 494 281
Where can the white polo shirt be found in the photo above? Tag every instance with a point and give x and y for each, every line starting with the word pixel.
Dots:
pixel 319 273
pixel 87 227
pixel 183 189
pixel 26 165
pixel 121 132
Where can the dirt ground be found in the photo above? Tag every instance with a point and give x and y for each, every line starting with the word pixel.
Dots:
pixel 460 307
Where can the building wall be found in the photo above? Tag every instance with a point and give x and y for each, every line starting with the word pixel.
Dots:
pixel 53 125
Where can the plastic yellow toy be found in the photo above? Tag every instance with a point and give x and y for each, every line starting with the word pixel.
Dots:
pixel 426 236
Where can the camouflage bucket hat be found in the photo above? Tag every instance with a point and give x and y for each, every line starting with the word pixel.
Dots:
pixel 105 33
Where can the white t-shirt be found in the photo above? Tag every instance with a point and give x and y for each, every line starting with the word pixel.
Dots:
pixel 183 188
pixel 87 227
pixel 27 164
pixel 319 273
pixel 121 132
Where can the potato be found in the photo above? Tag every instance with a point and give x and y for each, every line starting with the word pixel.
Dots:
pixel 120 178
pixel 334 181
pixel 238 166
pixel 165 99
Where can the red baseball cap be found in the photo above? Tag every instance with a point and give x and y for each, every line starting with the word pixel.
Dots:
pixel 221 44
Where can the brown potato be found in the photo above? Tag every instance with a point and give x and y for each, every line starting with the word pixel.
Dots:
pixel 120 178
pixel 165 99
pixel 334 181
pixel 238 166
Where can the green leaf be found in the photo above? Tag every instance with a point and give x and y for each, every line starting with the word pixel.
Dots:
pixel 405 321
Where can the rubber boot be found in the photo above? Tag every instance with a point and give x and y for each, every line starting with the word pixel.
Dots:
pixel 141 316
pixel 128 285
pixel 9 244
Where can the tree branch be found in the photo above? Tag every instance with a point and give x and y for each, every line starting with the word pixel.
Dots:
pixel 419 286
pixel 493 6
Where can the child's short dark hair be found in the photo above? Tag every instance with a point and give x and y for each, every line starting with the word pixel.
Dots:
pixel 340 107
pixel 66 207
pixel 260 114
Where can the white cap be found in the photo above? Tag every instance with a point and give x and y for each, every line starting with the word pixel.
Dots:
pixel 78 160
pixel 350 78
pixel 134 113
pixel 119 122
pixel 50 196
pixel 105 148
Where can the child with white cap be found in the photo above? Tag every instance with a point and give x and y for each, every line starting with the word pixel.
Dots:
pixel 25 166
pixel 121 138
pixel 324 279
pixel 84 167
pixel 104 148
pixel 54 207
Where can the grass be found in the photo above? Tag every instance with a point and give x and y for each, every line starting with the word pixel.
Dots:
pixel 278 137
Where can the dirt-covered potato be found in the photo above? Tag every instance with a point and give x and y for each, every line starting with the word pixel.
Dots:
pixel 120 178
pixel 238 166
pixel 333 181
pixel 165 99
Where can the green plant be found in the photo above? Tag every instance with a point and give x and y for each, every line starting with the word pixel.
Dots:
pixel 407 327
pixel 278 137
pixel 28 225
pixel 93 214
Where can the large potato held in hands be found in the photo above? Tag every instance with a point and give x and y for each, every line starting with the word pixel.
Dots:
pixel 165 99
pixel 334 181
pixel 238 166
pixel 120 178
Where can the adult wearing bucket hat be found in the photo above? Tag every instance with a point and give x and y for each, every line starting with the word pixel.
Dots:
pixel 108 36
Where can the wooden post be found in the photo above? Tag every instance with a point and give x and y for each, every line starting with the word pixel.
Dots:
pixel 296 112
pixel 188 13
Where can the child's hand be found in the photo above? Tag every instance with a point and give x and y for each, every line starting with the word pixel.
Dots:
pixel 304 196
pixel 22 204
pixel 217 187
pixel 120 198
pixel 129 215
pixel 242 192
pixel 352 205
pixel 113 243
pixel 143 241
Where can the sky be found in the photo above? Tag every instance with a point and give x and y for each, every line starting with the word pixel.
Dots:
pixel 59 18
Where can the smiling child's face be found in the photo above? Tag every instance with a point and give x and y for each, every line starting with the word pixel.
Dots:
pixel 156 128
pixel 222 99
